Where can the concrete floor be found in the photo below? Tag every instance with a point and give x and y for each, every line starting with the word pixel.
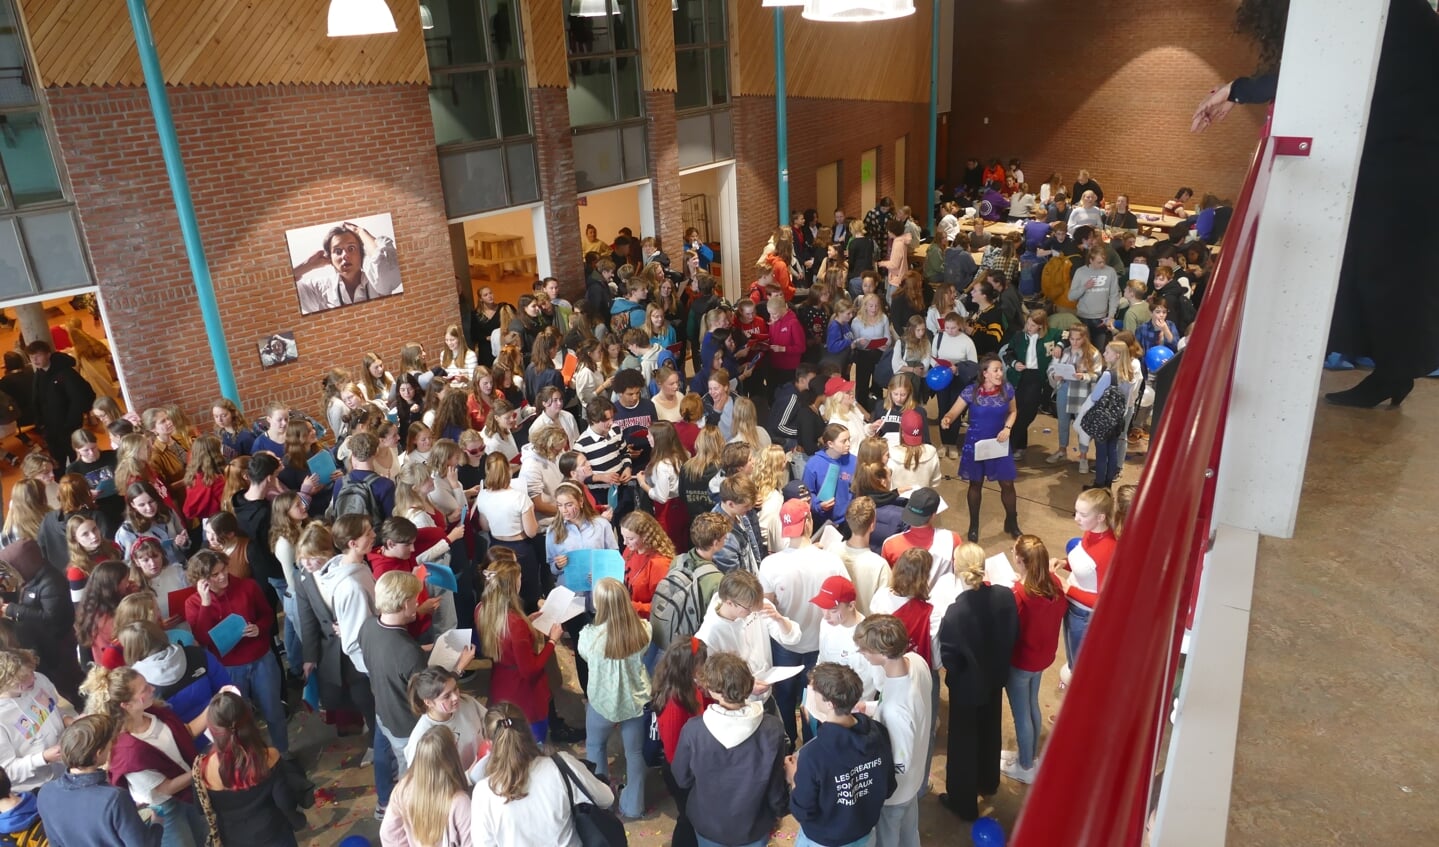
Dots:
pixel 1046 502
pixel 1342 675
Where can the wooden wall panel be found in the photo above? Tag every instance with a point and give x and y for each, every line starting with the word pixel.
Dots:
pixel 542 25
pixel 884 60
pixel 220 42
pixel 657 45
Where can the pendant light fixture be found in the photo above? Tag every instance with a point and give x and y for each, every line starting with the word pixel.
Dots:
pixel 590 9
pixel 857 11
pixel 360 17
pixel 427 20
pixel 772 4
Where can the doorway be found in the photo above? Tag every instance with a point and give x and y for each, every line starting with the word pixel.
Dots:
pixel 717 185
pixel 826 190
pixel 868 168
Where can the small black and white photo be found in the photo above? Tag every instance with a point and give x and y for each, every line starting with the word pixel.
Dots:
pixel 278 349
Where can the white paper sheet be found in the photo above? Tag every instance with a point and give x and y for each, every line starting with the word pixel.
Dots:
pixel 990 448
pixel 779 674
pixel 448 648
pixel 562 605
pixel 1063 370
pixel 1139 272
pixel 998 571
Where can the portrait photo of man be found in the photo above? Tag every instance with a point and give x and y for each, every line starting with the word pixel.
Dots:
pixel 339 264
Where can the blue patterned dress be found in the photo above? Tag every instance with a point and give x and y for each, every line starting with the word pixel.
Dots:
pixel 987 414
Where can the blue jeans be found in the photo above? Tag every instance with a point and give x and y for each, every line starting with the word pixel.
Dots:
pixel 632 732
pixel 397 746
pixel 1106 461
pixel 802 840
pixel 260 682
pixel 1061 403
pixel 182 824
pixel 705 842
pixel 1076 623
pixel 787 693
pixel 386 766
pixel 1023 690
pixel 294 651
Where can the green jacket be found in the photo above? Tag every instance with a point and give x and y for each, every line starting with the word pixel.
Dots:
pixel 1018 351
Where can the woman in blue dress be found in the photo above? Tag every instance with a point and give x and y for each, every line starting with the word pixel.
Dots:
pixel 990 401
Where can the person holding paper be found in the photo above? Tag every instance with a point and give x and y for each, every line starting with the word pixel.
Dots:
pixel 976 639
pixel 1029 353
pixel 743 622
pixel 991 418
pixel 619 687
pixel 903 710
pixel 232 619
pixel 744 547
pixel 1073 373
pixel 1094 289
pixel 829 472
pixel 1039 599
pixel 518 650
pixel 507 513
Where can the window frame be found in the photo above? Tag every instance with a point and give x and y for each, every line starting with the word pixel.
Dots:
pixel 706 48
pixel 618 125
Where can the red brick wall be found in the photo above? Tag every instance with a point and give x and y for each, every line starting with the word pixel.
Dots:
pixel 820 132
pixel 662 132
pixel 260 160
pixel 555 161
pixel 1119 104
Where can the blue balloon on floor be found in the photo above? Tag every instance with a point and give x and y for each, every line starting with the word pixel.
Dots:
pixel 360 841
pixel 985 832
pixel 1156 357
pixel 1070 545
pixel 939 378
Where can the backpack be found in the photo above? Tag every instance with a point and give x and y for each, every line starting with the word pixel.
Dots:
pixel 1105 418
pixel 1054 281
pixel 356 497
pixel 681 599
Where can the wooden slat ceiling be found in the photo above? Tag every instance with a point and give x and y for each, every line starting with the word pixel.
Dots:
pixel 883 60
pixel 220 42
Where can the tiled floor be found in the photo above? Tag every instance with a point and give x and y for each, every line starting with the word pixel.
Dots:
pixel 1336 734
pixel 1045 508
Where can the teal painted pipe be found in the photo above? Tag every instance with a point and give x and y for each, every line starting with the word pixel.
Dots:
pixel 933 107
pixel 781 117
pixel 180 189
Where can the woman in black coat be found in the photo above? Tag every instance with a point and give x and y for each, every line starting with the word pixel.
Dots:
pixel 44 616
pixel 976 639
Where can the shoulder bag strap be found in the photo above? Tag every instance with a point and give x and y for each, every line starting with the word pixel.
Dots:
pixel 571 781
pixel 202 796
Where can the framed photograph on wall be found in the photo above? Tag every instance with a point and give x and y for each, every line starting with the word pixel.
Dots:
pixel 344 262
pixel 278 349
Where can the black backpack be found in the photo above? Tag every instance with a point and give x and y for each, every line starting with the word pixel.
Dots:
pixel 681 599
pixel 357 497
pixel 596 826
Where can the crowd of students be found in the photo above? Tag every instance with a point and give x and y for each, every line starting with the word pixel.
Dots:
pixel 787 600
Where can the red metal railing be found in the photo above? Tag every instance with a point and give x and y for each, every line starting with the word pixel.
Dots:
pixel 1093 789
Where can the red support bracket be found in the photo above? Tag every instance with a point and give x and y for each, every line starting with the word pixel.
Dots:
pixel 1292 145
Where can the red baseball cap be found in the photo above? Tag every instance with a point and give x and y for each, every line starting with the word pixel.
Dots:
pixel 791 518
pixel 911 428
pixel 835 590
pixel 836 384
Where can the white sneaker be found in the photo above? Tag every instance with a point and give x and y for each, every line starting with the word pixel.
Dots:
pixel 1008 757
pixel 1083 465
pixel 1056 457
pixel 1019 774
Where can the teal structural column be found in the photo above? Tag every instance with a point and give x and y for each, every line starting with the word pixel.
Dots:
pixel 781 118
pixel 180 190
pixel 933 107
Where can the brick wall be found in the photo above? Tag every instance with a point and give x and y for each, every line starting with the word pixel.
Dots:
pixel 555 161
pixel 260 160
pixel 1119 105
pixel 662 131
pixel 820 132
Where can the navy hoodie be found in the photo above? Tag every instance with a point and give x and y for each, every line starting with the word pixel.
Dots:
pixel 841 781
pixel 733 765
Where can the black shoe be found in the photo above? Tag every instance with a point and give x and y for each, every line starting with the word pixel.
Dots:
pixel 949 802
pixel 973 534
pixel 1373 390
pixel 1011 526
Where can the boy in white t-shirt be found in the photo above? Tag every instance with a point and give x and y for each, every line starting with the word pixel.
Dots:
pixel 836 601
pixel 904 710
pixel 742 622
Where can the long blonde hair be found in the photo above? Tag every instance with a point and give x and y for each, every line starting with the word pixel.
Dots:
pixel 408 480
pixel 746 421
pixel 428 788
pixel 512 751
pixel 501 597
pixel 28 508
pixel 1123 368
pixel 709 444
pixel 558 530
pixel 625 633
pixel 771 463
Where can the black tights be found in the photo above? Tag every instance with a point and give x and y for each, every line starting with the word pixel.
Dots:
pixel 975 495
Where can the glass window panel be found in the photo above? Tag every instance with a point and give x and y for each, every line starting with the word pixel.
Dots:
pixel 715 30
pixel 724 134
pixel 513 101
pixel 636 166
pixel 504 29
pixel 627 86
pixel 458 37
pixel 25 153
pixel 14 280
pixel 524 179
pixel 695 142
pixel 689 22
pixel 588 34
pixel 461 107
pixel 16 87
pixel 719 76
pixel 55 254
pixel 690 81
pixel 473 180
pixel 623 23
pixel 597 160
pixel 591 93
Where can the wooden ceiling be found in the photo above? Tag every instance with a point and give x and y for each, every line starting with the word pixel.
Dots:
pixel 219 42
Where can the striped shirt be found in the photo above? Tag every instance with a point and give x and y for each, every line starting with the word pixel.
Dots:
pixel 606 454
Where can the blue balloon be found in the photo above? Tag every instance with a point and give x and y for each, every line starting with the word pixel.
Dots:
pixel 1157 356
pixel 939 378
pixel 1070 545
pixel 356 841
pixel 986 832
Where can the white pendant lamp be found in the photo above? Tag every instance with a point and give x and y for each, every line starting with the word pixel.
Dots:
pixel 771 4
pixel 857 11
pixel 360 17
pixel 427 20
pixel 590 9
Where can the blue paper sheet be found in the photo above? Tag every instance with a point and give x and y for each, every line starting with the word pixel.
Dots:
pixel 322 465
pixel 830 484
pixel 441 576
pixel 586 567
pixel 227 633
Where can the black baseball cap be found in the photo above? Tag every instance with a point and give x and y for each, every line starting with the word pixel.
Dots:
pixel 796 490
pixel 923 503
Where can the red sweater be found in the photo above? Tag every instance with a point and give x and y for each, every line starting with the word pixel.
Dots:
pixel 519 675
pixel 1098 546
pixel 380 564
pixel 131 755
pixel 1039 621
pixel 787 332
pixel 643 571
pixel 914 614
pixel 201 500
pixel 242 598
pixel 672 718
